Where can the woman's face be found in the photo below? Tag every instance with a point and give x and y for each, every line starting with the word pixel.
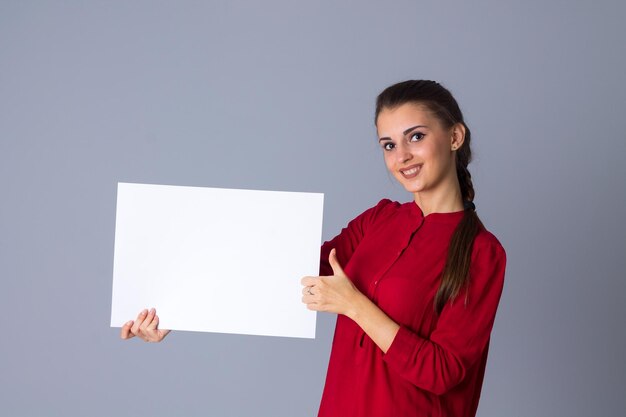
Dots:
pixel 418 150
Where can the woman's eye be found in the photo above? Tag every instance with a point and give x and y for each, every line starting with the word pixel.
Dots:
pixel 388 146
pixel 417 136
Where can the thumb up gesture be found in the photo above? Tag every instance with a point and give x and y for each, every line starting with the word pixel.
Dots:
pixel 333 294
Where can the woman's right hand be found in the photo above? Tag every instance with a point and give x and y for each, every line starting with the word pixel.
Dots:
pixel 145 327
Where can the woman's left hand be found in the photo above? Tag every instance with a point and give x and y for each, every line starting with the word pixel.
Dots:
pixel 333 294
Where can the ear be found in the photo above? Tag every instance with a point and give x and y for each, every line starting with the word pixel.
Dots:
pixel 457 136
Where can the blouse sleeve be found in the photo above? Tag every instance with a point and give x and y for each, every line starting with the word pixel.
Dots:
pixel 346 242
pixel 440 362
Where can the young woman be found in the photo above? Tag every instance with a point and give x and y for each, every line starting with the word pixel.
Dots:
pixel 415 285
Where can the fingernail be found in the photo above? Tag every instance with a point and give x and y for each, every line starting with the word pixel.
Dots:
pixel 128 323
pixel 144 311
pixel 152 310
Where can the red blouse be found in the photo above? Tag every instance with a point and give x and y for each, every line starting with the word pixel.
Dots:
pixel 435 365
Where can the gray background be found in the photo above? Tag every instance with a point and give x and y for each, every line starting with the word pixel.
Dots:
pixel 279 95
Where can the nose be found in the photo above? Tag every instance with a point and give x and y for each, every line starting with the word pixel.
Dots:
pixel 403 155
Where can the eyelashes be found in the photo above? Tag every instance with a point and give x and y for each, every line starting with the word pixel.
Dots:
pixel 413 137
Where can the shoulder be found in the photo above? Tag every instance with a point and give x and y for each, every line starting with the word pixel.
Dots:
pixel 380 213
pixel 488 254
pixel 384 209
pixel 487 240
pixel 386 206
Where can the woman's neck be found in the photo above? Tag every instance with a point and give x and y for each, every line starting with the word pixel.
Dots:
pixel 443 200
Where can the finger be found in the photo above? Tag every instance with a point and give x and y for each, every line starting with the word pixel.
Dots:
pixel 125 332
pixel 308 299
pixel 309 281
pixel 308 290
pixel 314 307
pixel 149 317
pixel 138 322
pixel 154 323
pixel 334 263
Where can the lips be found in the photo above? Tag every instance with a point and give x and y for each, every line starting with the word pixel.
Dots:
pixel 411 171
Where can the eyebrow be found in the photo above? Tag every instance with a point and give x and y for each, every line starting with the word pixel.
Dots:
pixel 405 132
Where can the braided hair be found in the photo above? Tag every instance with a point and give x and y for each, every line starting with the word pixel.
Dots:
pixel 441 103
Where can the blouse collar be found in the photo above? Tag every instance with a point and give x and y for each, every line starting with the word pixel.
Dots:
pixel 449 218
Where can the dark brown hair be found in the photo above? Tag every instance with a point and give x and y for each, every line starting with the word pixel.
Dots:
pixel 440 102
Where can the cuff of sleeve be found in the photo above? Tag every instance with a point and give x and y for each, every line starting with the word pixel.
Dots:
pixel 403 347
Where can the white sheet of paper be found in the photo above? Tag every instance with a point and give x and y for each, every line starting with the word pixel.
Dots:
pixel 216 260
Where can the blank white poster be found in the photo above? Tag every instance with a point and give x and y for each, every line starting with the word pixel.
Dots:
pixel 216 260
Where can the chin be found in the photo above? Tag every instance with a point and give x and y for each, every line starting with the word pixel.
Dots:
pixel 412 188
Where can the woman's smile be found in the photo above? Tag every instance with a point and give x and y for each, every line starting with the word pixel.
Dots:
pixel 411 171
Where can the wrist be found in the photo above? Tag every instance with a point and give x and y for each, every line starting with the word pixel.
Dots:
pixel 358 306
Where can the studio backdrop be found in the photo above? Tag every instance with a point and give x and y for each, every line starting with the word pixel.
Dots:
pixel 279 95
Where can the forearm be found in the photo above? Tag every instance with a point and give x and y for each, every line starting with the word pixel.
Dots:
pixel 337 294
pixel 378 326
